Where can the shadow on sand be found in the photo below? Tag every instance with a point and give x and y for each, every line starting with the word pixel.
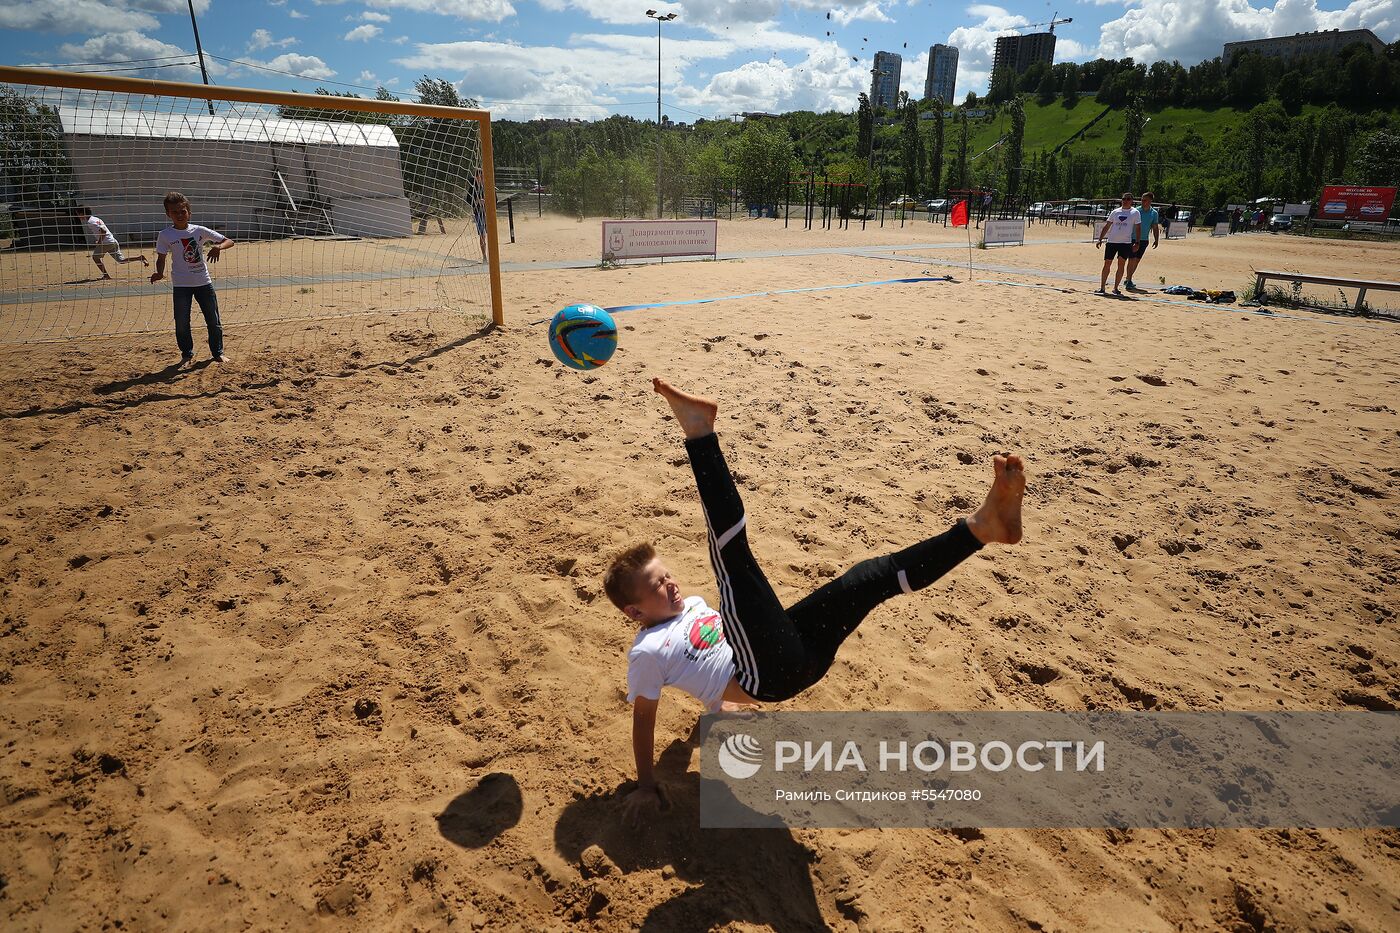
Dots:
pixel 749 876
pixel 174 373
pixel 481 814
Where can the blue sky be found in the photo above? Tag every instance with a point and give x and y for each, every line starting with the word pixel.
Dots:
pixel 589 58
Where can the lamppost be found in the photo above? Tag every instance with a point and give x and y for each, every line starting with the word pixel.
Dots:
pixel 1133 169
pixel 660 18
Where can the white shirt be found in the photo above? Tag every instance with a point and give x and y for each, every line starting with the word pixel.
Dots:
pixel 187 266
pixel 688 652
pixel 1121 223
pixel 97 231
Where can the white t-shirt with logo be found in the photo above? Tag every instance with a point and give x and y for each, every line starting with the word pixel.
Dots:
pixel 688 652
pixel 97 231
pixel 1121 222
pixel 187 266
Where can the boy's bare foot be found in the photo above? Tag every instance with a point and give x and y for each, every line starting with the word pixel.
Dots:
pixel 218 359
pixel 999 519
pixel 695 413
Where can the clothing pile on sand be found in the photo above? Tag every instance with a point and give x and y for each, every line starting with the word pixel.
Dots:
pixel 1209 295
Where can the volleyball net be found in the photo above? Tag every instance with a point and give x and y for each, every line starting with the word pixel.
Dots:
pixel 338 206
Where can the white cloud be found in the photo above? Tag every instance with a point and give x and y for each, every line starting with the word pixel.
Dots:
pixel 296 14
pixel 370 16
pixel 598 74
pixel 826 79
pixel 262 39
pixel 306 66
pixel 74 16
pixel 362 33
pixel 486 10
pixel 366 77
pixel 1192 30
pixel 620 13
pixel 130 45
pixel 873 12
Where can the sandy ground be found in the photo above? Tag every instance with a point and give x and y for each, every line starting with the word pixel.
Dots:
pixel 317 638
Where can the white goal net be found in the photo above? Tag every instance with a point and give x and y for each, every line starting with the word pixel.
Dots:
pixel 337 207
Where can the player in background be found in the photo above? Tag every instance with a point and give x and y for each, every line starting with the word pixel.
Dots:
pixel 103 242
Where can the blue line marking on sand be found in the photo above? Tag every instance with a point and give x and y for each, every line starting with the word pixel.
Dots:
pixel 783 291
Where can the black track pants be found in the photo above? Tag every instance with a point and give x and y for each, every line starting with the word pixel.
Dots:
pixel 780 652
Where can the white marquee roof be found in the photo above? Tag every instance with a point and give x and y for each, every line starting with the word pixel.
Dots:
pixel 136 123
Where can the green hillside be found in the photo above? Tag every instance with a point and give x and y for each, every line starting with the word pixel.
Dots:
pixel 1049 126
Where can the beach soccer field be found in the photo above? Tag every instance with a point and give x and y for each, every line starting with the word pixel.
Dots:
pixel 318 635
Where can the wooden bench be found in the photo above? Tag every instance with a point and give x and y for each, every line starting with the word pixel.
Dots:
pixel 1361 285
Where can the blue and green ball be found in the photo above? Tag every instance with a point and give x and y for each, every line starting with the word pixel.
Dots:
pixel 583 336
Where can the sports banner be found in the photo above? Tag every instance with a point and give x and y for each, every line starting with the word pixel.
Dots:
pixel 1221 229
pixel 1004 233
pixel 653 239
pixel 1356 202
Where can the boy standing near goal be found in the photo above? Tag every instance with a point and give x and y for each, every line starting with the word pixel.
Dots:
pixel 103 242
pixel 190 275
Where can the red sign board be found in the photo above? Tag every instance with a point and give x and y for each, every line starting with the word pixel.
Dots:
pixel 1355 202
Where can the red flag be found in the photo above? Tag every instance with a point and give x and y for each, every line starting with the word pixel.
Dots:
pixel 960 214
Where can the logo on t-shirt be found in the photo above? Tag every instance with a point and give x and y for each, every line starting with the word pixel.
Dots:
pixel 706 631
pixel 191 245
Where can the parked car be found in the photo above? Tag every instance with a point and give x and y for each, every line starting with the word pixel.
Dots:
pixel 904 202
pixel 936 206
pixel 1038 209
pixel 1280 222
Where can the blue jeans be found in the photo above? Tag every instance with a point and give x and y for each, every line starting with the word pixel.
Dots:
pixel 209 307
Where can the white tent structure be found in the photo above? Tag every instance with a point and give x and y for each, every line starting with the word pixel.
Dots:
pixel 248 177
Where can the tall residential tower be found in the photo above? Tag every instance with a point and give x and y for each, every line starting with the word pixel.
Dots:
pixel 942 73
pixel 884 83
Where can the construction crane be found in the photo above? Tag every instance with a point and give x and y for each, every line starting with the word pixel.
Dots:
pixel 1052 24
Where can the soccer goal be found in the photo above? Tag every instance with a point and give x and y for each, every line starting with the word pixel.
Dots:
pixel 339 206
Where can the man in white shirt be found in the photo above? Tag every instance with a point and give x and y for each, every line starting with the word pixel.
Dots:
pixel 1122 228
pixel 103 242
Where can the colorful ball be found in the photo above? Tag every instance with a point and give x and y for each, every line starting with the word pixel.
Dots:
pixel 583 336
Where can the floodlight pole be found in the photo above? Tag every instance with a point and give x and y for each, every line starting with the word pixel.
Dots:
pixel 199 52
pixel 660 18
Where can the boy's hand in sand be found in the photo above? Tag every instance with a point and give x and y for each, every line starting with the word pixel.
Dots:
pixel 157 276
pixel 642 805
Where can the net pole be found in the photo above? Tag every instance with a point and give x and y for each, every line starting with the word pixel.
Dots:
pixel 488 164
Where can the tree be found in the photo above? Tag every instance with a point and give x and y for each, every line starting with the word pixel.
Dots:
pixel 1014 142
pixel 1133 122
pixel 1069 87
pixel 909 144
pixel 935 169
pixel 1247 81
pixel 865 127
pixel 1378 159
pixel 1045 90
pixel 1290 93
pixel 34 164
pixel 958 173
pixel 762 158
